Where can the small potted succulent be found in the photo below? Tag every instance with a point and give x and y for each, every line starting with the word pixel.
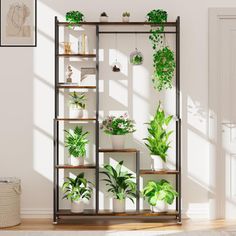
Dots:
pixel 74 17
pixel 78 191
pixel 125 16
pixel 120 184
pixel 77 104
pixel 104 17
pixel 76 141
pixel 158 139
pixel 159 195
pixel 118 127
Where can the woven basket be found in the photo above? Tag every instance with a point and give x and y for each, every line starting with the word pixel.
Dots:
pixel 10 190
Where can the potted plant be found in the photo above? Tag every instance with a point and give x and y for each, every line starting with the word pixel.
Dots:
pixel 136 57
pixel 125 16
pixel 104 17
pixel 76 141
pixel 118 127
pixel 158 139
pixel 77 104
pixel 78 191
pixel 74 17
pixel 159 195
pixel 120 184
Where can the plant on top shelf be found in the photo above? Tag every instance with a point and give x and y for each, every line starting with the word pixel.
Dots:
pixel 158 138
pixel 76 141
pixel 125 16
pixel 120 184
pixel 77 190
pixel 118 127
pixel 77 104
pixel 74 17
pixel 103 17
pixel 159 195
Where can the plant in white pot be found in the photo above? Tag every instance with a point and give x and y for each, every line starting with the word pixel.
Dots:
pixel 76 141
pixel 159 195
pixel 78 192
pixel 158 139
pixel 120 184
pixel 118 127
pixel 125 16
pixel 77 104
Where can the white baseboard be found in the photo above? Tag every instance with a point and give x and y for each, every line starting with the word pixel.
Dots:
pixel 36 213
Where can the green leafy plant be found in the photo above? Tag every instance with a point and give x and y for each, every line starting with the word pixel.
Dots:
pixel 118 125
pixel 136 59
pixel 159 191
pixel 74 17
pixel 158 139
pixel 126 14
pixel 164 67
pixel 120 182
pixel 77 100
pixel 76 141
pixel 77 189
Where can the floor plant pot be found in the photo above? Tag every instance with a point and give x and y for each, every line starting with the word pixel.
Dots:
pixel 158 163
pixel 103 18
pixel 118 205
pixel 76 113
pixel 76 161
pixel 161 206
pixel 125 18
pixel 118 141
pixel 77 206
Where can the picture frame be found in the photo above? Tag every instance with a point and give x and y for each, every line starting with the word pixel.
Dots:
pixel 18 23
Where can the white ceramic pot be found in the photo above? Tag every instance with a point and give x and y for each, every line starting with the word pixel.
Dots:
pixel 77 206
pixel 103 18
pixel 158 163
pixel 76 113
pixel 76 161
pixel 118 141
pixel 161 206
pixel 125 18
pixel 118 205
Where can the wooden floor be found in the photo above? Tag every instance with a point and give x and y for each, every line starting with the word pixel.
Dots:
pixel 187 225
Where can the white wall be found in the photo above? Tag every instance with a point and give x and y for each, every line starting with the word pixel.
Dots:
pixel 26 99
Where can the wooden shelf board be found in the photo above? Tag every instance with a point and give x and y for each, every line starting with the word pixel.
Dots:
pixel 77 55
pixel 111 213
pixel 86 166
pixel 60 86
pixel 76 119
pixel 118 150
pixel 160 172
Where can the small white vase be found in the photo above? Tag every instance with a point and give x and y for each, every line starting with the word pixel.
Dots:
pixel 161 206
pixel 158 163
pixel 76 113
pixel 118 141
pixel 125 18
pixel 118 205
pixel 103 18
pixel 77 206
pixel 76 161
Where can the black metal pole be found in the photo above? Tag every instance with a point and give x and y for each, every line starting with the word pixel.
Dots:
pixel 138 180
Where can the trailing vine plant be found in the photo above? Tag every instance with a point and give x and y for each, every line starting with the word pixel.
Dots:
pixel 163 57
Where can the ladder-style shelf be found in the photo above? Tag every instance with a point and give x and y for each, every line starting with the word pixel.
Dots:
pixel 100 28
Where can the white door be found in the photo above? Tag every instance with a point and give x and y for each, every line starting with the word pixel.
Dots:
pixel 223 111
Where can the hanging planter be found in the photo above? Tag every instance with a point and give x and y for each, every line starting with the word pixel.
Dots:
pixel 136 57
pixel 116 66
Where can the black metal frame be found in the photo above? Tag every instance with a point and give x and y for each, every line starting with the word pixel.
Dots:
pixel 138 213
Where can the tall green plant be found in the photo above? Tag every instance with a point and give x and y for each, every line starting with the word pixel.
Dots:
pixel 120 182
pixel 77 189
pixel 77 100
pixel 76 141
pixel 158 139
pixel 159 191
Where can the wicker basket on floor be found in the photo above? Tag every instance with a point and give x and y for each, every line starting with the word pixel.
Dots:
pixel 10 190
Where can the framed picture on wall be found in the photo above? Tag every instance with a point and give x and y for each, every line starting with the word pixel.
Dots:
pixel 18 26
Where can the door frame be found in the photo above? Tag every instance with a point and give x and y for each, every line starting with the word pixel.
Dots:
pixel 217 162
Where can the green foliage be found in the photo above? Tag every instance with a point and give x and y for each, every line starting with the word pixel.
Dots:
pixel 74 17
pixel 137 59
pixel 164 67
pixel 76 141
pixel 118 125
pixel 77 189
pixel 119 182
pixel 161 190
pixel 126 14
pixel 77 100
pixel 158 139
